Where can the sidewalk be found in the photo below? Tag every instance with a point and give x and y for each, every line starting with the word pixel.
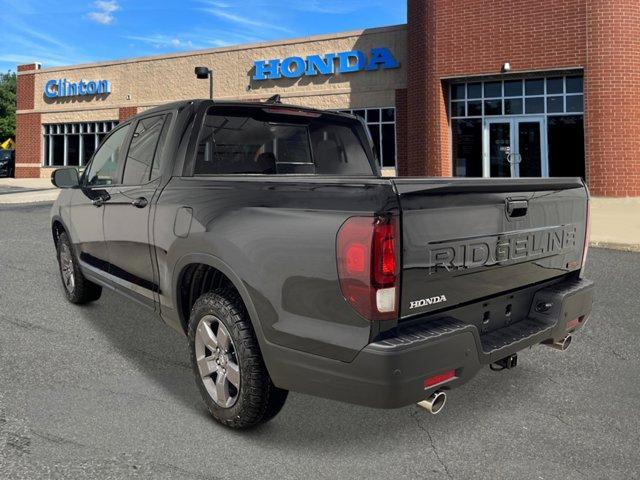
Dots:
pixel 27 190
pixel 615 223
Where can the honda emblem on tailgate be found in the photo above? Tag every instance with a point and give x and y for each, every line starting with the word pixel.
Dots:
pixel 427 301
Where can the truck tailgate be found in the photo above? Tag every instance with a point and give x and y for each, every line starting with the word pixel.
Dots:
pixel 468 239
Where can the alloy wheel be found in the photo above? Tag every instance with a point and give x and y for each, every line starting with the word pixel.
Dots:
pixel 66 267
pixel 217 361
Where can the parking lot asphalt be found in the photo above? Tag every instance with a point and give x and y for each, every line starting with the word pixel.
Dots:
pixel 105 391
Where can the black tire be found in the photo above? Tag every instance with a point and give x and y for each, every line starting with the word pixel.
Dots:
pixel 81 290
pixel 257 400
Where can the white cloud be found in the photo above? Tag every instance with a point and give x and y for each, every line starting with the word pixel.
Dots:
pixel 104 10
pixel 335 7
pixel 246 21
pixel 164 41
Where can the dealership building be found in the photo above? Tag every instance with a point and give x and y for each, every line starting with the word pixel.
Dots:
pixel 466 88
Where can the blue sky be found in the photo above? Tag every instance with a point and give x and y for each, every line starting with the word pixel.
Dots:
pixel 70 32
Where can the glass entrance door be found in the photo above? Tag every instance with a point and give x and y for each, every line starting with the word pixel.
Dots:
pixel 498 149
pixel 514 147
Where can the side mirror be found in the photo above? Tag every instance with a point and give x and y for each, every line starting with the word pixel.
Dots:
pixel 65 178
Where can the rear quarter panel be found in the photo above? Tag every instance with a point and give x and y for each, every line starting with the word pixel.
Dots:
pixel 277 235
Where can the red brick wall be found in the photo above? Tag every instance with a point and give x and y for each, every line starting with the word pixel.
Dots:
pixel 28 127
pixel 25 91
pixel 448 38
pixel 126 112
pixel 473 37
pixel 401 128
pixel 28 144
pixel 417 90
pixel 612 108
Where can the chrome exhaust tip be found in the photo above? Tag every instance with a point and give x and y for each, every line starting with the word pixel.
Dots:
pixel 434 403
pixel 561 345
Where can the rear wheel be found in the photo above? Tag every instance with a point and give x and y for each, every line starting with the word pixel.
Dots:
pixel 77 288
pixel 228 365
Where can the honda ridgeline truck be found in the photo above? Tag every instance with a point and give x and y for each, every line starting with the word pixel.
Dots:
pixel 267 235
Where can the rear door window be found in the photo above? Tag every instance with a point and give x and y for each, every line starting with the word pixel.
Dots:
pixel 142 151
pixel 258 141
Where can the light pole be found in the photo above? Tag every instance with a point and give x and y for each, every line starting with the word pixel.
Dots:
pixel 205 72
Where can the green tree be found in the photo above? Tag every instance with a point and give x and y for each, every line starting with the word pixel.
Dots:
pixel 7 106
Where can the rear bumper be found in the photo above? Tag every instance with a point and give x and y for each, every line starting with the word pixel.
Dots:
pixel 390 373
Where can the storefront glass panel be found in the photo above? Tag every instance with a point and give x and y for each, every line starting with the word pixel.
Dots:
pixel 517 125
pixel 72 144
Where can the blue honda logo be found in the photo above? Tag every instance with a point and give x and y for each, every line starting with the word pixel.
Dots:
pixel 328 64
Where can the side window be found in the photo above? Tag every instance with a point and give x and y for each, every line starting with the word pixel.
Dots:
pixel 140 158
pixel 104 167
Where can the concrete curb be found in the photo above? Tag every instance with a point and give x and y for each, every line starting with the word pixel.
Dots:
pixel 625 247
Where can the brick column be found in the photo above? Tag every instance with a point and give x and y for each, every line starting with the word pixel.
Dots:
pixel 28 125
pixel 126 112
pixel 612 97
pixel 401 131
pixel 417 90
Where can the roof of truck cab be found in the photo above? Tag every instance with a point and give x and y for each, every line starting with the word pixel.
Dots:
pixel 197 102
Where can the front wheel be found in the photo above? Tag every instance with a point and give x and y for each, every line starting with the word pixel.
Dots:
pixel 77 288
pixel 228 365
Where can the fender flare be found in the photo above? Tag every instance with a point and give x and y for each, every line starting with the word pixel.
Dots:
pixel 218 264
pixel 58 219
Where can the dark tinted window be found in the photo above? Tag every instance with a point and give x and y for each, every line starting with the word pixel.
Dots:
pixel 555 85
pixel 534 105
pixel 457 92
pixel 566 146
pixel 513 106
pixel 493 107
pixel 467 147
pixel 137 169
pixel 574 84
pixel 574 103
pixel 534 87
pixel 513 88
pixel 492 89
pixel 474 90
pixel 254 141
pixel 104 167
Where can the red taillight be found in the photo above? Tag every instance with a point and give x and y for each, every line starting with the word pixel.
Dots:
pixel 368 264
pixel 440 378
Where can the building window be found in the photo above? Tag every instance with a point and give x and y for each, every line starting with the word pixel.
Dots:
pixel 518 127
pixel 382 126
pixel 72 144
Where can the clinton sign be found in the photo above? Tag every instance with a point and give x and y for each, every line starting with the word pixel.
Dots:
pixel 327 64
pixel 64 88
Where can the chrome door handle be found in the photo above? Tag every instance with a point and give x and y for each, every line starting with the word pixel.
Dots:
pixel 98 202
pixel 140 202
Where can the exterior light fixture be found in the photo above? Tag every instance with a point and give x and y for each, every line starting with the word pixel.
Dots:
pixel 506 67
pixel 203 73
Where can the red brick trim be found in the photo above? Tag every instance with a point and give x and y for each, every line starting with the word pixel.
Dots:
pixel 27 67
pixel 401 131
pixel 25 91
pixel 612 98
pixel 28 144
pixel 126 112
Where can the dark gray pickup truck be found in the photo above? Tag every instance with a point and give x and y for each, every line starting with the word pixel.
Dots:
pixel 266 234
